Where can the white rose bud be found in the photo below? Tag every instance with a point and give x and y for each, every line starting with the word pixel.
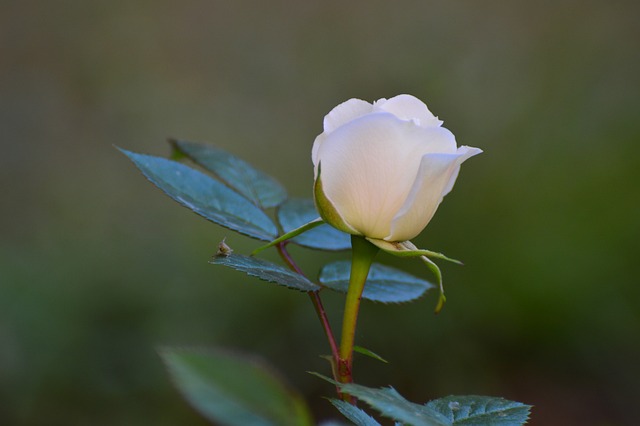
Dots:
pixel 381 170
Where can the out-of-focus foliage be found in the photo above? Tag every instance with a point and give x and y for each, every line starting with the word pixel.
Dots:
pixel 98 268
pixel 233 390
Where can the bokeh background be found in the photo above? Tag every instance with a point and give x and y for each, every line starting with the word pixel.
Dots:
pixel 98 268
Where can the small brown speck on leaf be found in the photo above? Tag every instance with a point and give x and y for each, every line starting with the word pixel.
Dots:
pixel 223 249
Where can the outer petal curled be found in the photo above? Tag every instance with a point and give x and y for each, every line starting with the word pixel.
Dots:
pixel 435 178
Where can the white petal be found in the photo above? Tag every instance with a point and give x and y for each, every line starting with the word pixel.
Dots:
pixel 408 107
pixel 345 112
pixel 465 152
pixel 436 174
pixel 437 140
pixel 314 152
pixel 338 116
pixel 368 169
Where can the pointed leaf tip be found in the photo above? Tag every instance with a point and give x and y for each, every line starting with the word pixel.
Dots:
pixel 481 410
pixel 205 196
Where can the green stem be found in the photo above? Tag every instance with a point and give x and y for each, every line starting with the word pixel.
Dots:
pixel 363 253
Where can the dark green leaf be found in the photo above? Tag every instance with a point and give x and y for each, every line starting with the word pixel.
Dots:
pixel 230 389
pixel 296 212
pixel 260 188
pixel 481 411
pixel 384 283
pixel 391 404
pixel 449 411
pixel 266 271
pixel 353 413
pixel 205 196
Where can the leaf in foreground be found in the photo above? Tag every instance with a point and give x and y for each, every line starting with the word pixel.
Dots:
pixel 481 410
pixel 266 271
pixel 234 390
pixel 353 413
pixel 393 405
pixel 384 283
pixel 205 196
pixel 449 411
pixel 296 212
pixel 260 188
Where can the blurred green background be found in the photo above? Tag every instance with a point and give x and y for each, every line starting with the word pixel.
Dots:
pixel 98 268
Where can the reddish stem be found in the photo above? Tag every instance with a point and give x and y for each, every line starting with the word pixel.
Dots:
pixel 317 304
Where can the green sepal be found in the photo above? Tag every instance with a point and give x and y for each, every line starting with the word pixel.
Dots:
pixel 291 234
pixel 408 249
pixel 436 271
pixel 327 210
